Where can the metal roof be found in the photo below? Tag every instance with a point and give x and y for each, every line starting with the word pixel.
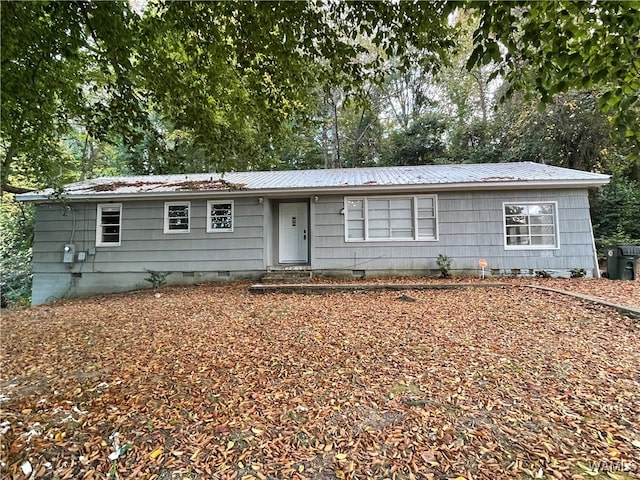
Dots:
pixel 344 180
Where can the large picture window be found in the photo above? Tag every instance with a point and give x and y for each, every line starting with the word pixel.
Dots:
pixel 177 217
pixel 390 218
pixel 220 216
pixel 530 225
pixel 108 224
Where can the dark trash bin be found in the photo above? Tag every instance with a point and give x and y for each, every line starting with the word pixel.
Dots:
pixel 622 262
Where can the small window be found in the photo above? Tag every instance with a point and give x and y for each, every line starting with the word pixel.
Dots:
pixel 220 216
pixel 108 224
pixel 391 218
pixel 530 226
pixel 177 217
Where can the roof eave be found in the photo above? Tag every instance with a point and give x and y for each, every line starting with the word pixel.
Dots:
pixel 336 190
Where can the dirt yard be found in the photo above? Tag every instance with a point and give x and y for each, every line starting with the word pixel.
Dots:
pixel 212 382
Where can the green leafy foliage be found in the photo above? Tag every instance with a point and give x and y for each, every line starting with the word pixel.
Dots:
pixel 157 279
pixel 542 274
pixel 552 46
pixel 444 264
pixel 578 273
pixel 92 89
pixel 63 63
pixel 615 213
pixel 16 224
pixel 421 143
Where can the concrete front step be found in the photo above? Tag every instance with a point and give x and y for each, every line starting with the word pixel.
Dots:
pixel 288 275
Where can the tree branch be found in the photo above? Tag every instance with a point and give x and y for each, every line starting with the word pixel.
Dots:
pixel 8 188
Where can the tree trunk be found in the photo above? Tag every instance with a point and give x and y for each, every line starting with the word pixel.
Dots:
pixel 335 139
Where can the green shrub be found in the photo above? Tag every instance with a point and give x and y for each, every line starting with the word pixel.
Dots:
pixel 578 273
pixel 16 225
pixel 542 274
pixel 444 264
pixel 618 237
pixel 157 279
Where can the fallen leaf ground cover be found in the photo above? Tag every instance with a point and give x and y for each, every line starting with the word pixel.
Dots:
pixel 615 291
pixel 214 382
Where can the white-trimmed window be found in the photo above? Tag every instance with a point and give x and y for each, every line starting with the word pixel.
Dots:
pixel 220 216
pixel 529 226
pixel 177 216
pixel 108 224
pixel 391 218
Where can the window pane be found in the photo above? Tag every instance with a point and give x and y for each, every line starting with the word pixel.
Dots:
pixel 377 204
pixel 425 202
pixel 377 214
pixel 402 222
pixel 111 238
pixel 401 204
pixel 544 230
pixel 391 217
pixel 355 204
pixel 530 224
pixel 178 217
pixel 516 220
pixel 426 232
pixel 355 214
pixel 427 227
pixel 426 213
pixel 382 224
pixel 518 240
pixel 221 216
pixel 511 231
pixel 356 229
pixel 541 220
pixel 378 233
pixel 379 228
pixel 515 209
pixel 178 224
pixel 178 211
pixel 546 240
pixel 402 214
pixel 402 234
pixel 221 209
pixel 355 219
pixel 542 209
pixel 110 217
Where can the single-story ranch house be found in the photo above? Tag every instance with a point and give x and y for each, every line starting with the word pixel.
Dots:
pixel 108 234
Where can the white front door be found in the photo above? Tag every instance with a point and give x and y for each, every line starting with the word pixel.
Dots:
pixel 293 233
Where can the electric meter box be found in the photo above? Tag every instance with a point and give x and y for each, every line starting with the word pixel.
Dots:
pixel 69 253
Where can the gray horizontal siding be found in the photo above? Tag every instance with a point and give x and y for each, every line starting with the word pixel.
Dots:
pixel 212 240
pixel 470 227
pixel 144 245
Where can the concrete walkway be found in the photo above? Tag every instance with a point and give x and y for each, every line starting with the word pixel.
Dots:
pixel 320 288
